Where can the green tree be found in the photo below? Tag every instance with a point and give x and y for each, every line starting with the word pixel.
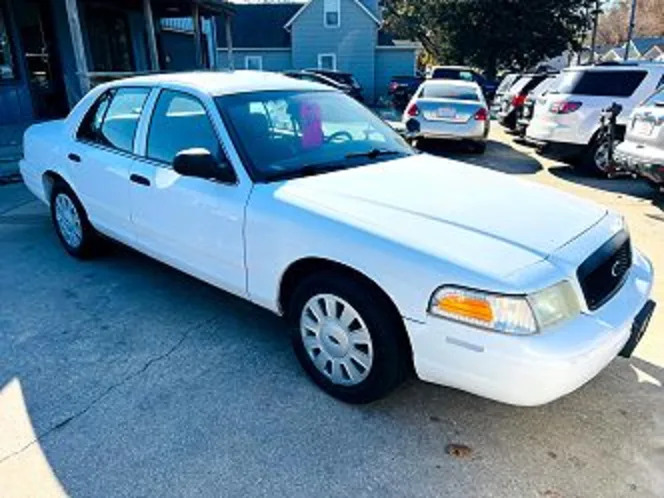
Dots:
pixel 490 34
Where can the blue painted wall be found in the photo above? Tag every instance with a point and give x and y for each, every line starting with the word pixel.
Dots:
pixel 273 60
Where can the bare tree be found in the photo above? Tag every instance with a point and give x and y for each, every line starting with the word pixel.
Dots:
pixel 613 23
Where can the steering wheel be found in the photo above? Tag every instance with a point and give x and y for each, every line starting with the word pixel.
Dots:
pixel 339 136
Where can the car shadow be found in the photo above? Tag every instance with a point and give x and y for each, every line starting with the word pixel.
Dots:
pixel 627 185
pixel 498 156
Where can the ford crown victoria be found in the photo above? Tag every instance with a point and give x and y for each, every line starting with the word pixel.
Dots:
pixel 299 199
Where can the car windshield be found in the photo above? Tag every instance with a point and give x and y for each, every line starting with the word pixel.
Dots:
pixel 286 134
pixel 442 73
pixel 442 91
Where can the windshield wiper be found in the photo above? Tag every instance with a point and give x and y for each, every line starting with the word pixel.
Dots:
pixel 373 153
pixel 306 170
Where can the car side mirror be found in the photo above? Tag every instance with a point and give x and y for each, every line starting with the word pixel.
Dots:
pixel 200 163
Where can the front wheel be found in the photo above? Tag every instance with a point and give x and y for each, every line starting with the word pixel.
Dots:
pixel 71 222
pixel 346 338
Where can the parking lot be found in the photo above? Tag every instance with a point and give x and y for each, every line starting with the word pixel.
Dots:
pixel 123 377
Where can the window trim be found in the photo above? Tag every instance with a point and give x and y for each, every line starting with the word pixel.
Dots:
pixel 143 155
pixel 258 58
pixel 334 60
pixel 326 11
pixel 113 91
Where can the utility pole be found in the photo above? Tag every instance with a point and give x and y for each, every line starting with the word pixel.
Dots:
pixel 593 42
pixel 630 32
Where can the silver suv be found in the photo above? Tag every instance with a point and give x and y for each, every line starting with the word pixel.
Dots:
pixel 567 121
pixel 642 152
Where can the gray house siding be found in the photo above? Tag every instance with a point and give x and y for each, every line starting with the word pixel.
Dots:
pixel 392 62
pixel 354 42
pixel 273 60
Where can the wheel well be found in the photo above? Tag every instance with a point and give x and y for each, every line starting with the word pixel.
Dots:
pixel 49 178
pixel 303 268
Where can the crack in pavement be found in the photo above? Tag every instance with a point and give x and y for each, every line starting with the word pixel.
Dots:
pixel 110 389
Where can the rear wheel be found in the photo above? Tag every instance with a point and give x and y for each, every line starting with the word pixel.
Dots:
pixel 595 159
pixel 346 337
pixel 71 222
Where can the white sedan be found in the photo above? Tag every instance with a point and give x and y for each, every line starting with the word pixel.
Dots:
pixel 302 201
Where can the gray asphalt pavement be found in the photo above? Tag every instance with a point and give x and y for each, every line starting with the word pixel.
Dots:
pixel 123 377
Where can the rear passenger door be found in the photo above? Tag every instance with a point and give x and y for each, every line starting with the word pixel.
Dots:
pixel 101 158
pixel 195 224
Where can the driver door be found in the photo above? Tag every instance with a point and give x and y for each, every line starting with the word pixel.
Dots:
pixel 192 223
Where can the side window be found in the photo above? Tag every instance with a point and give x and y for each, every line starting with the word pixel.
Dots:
pixel 180 122
pixel 113 119
pixel 119 126
pixel 90 128
pixel 331 18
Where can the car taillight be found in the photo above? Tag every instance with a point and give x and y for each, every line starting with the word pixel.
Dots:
pixel 481 115
pixel 518 100
pixel 564 107
pixel 412 110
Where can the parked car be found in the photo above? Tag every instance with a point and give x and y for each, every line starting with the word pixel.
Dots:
pixel 642 152
pixel 298 198
pixel 402 88
pixel 567 121
pixel 450 110
pixel 503 87
pixel 527 111
pixel 512 101
pixel 464 73
pixel 343 78
pixel 320 78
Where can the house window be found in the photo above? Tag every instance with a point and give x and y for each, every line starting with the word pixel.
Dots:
pixel 331 17
pixel 254 62
pixel 6 61
pixel 327 61
pixel 110 39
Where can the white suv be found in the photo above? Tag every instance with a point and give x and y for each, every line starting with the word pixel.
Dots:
pixel 567 121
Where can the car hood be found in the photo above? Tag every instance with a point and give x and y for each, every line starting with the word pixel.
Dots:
pixel 479 219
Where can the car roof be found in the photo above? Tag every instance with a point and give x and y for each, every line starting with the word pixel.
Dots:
pixel 459 68
pixel 446 82
pixel 217 83
pixel 620 66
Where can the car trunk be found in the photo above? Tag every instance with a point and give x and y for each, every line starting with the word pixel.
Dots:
pixel 447 110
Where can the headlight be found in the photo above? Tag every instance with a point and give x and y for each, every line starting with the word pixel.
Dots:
pixel 518 315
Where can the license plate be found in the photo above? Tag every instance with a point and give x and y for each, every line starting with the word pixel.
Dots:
pixel 643 127
pixel 446 112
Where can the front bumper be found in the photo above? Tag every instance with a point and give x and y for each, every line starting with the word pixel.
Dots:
pixel 531 370
pixel 644 161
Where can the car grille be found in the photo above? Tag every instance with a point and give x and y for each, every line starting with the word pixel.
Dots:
pixel 604 272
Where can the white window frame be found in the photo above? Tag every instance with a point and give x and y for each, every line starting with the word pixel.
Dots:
pixel 326 10
pixel 254 58
pixel 334 61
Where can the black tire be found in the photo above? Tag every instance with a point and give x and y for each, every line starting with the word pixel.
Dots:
pixel 589 162
pixel 390 357
pixel 89 237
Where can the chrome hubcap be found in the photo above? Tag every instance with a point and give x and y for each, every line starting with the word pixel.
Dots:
pixel 68 220
pixel 336 339
pixel 602 156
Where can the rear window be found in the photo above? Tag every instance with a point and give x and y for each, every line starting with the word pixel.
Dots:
pixel 601 83
pixel 520 85
pixel 506 83
pixel 438 91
